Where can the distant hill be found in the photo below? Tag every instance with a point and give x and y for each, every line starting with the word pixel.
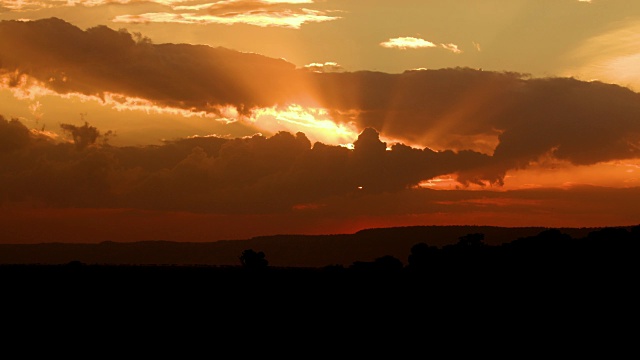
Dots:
pixel 280 250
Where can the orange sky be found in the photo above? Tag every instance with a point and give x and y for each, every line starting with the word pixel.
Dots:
pixel 202 121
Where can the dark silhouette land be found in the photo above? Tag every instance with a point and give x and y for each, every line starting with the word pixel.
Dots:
pixel 481 253
pixel 548 277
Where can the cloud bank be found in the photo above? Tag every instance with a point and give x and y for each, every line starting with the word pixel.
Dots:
pixel 100 61
pixel 476 124
pixel 515 119
pixel 207 174
pixel 208 188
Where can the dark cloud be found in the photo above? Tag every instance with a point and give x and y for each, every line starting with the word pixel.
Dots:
pixel 209 188
pixel 581 122
pixel 13 135
pixel 482 124
pixel 83 136
pixel 101 60
pixel 257 174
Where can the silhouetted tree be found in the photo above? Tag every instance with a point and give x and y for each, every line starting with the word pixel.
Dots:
pixel 542 252
pixel 422 256
pixel 383 264
pixel 471 241
pixel 75 264
pixel 251 259
pixel 546 241
pixel 334 268
pixel 388 263
pixel 468 256
pixel 608 247
pixel 470 244
pixel 634 239
pixel 607 238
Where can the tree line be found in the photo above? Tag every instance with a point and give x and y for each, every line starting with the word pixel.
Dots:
pixel 549 250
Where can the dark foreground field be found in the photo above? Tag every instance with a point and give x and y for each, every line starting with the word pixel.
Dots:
pixel 471 300
pixel 547 278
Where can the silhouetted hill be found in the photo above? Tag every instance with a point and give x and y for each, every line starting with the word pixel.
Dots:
pixel 280 250
pixel 393 273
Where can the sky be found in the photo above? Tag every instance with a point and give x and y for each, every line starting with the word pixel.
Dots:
pixel 125 120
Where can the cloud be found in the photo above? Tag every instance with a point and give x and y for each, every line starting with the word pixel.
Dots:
pixel 37 4
pixel 281 174
pixel 452 47
pixel 281 183
pixel 31 5
pixel 477 125
pixel 13 135
pixel 329 66
pixel 207 174
pixel 407 43
pixel 287 18
pixel 258 13
pixel 404 43
pixel 24 5
pixel 100 61
pixel 263 13
pixel 515 119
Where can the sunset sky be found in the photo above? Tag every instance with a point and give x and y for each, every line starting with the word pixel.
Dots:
pixel 129 120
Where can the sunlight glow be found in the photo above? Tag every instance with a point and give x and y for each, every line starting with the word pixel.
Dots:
pixel 623 173
pixel 45 133
pixel 122 103
pixel 315 123
pixel 24 87
pixel 491 202
pixel 444 182
pixel 552 174
pixel 612 57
